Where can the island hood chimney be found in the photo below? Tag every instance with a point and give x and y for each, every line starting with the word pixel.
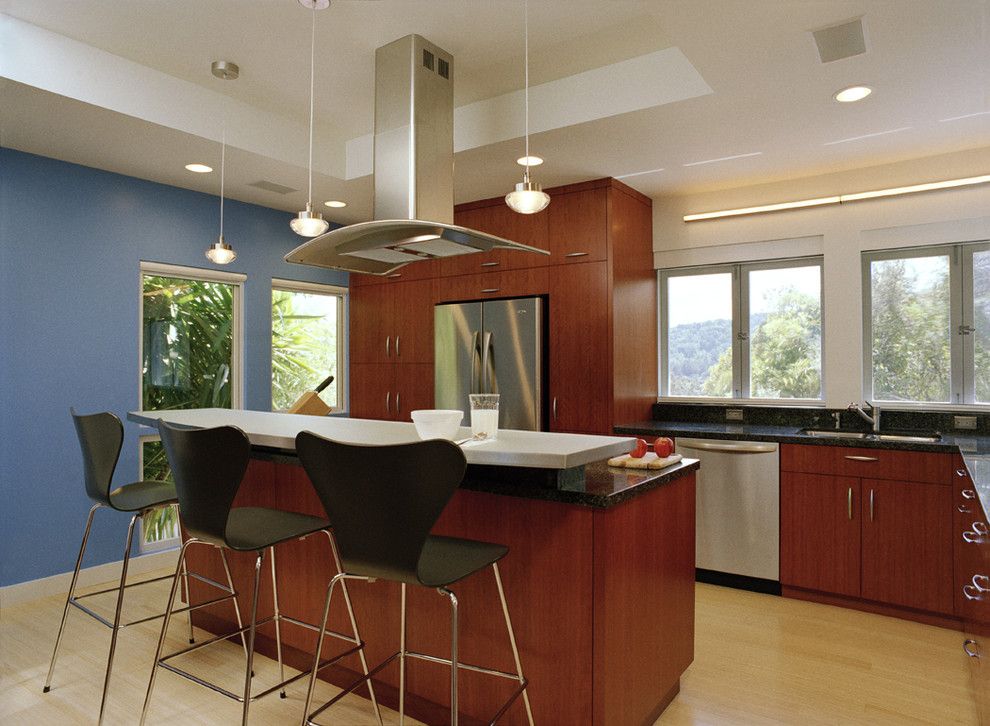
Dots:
pixel 414 172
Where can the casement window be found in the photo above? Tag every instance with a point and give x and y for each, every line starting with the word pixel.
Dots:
pixel 308 341
pixel 190 357
pixel 926 324
pixel 742 331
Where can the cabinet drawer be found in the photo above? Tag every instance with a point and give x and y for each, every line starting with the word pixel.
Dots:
pixel 511 283
pixel 919 466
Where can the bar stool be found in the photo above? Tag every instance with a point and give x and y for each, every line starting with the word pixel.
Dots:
pixel 101 437
pixel 208 466
pixel 384 500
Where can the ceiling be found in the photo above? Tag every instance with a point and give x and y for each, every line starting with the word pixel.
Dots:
pixel 678 82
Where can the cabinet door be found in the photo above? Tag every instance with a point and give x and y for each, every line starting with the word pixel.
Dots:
pixel 411 325
pixel 371 391
pixel 907 544
pixel 577 224
pixel 820 533
pixel 527 229
pixel 371 312
pixel 483 220
pixel 580 349
pixel 412 389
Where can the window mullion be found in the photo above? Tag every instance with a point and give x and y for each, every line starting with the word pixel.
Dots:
pixel 962 353
pixel 740 332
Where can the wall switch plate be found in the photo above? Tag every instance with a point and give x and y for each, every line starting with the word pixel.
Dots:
pixel 736 414
pixel 964 422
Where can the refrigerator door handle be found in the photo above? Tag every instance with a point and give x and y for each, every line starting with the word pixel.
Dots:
pixel 491 384
pixel 486 344
pixel 475 362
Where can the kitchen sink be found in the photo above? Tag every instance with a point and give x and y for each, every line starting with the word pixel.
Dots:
pixel 833 434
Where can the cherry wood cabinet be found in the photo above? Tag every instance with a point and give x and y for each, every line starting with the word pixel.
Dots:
pixel 820 532
pixel 600 289
pixel 389 391
pixel 873 525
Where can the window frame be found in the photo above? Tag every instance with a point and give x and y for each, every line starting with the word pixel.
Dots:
pixel 740 329
pixel 342 293
pixel 962 378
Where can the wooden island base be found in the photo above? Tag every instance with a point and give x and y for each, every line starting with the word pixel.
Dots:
pixel 602 601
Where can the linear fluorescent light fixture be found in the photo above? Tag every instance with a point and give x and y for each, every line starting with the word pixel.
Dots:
pixel 840 198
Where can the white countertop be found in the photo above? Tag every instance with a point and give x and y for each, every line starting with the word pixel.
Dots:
pixel 537 449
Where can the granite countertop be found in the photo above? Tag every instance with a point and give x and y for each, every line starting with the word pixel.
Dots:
pixel 975 449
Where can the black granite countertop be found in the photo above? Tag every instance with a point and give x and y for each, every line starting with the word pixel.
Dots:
pixel 975 449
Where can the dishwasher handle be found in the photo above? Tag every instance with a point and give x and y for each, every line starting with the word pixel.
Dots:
pixel 731 448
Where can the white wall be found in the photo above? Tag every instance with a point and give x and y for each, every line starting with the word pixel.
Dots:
pixel 839 232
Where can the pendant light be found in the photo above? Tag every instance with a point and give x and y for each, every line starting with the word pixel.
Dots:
pixel 528 197
pixel 309 223
pixel 220 252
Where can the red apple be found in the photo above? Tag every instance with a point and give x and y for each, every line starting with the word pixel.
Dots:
pixel 664 447
pixel 640 450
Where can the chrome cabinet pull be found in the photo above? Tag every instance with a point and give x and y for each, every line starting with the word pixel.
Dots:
pixel 388 346
pixel 489 290
pixel 395 275
pixel 397 353
pixel 398 406
pixel 961 473
pixel 981 528
pixel 972 537
pixel 849 502
pixel 968 494
pixel 963 509
pixel 871 505
pixel 863 458
pixel 967 643
pixel 971 592
pixel 388 400
pixel 576 254
pixel 554 408
pixel 490 264
pixel 977 579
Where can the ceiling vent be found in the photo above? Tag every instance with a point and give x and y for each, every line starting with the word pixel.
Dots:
pixel 272 187
pixel 840 41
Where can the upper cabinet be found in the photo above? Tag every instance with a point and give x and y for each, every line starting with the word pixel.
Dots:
pixel 579 226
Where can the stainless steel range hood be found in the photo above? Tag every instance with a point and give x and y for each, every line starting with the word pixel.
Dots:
pixel 414 172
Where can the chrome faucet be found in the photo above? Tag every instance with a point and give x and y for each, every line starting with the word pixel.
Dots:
pixel 873 420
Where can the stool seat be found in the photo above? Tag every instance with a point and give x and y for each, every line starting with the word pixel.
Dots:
pixel 445 560
pixel 250 529
pixel 142 495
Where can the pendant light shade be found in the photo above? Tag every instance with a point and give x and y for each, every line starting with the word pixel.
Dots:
pixel 528 197
pixel 220 252
pixel 309 223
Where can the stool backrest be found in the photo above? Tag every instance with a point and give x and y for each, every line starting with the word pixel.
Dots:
pixel 101 436
pixel 207 466
pixel 382 501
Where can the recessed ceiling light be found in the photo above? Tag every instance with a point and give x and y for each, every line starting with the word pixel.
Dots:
pixel 529 160
pixel 335 204
pixel 199 168
pixel 853 93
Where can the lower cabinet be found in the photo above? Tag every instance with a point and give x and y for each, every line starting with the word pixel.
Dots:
pixel 390 391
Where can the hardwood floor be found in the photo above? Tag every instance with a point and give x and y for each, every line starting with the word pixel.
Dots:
pixel 759 660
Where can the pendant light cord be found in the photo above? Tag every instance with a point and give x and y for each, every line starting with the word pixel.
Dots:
pixel 526 52
pixel 312 75
pixel 223 164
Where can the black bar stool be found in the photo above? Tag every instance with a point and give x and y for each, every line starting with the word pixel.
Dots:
pixel 384 500
pixel 208 466
pixel 101 436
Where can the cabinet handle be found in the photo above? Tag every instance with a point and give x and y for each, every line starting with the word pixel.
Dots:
pixel 968 494
pixel 388 346
pixel 576 254
pixel 968 642
pixel 977 579
pixel 961 473
pixel 981 528
pixel 395 275
pixel 849 502
pixel 963 509
pixel 862 458
pixel 972 537
pixel 398 406
pixel 971 592
pixel 388 400
pixel 490 290
pixel 554 408
pixel 490 264
pixel 871 505
pixel 397 353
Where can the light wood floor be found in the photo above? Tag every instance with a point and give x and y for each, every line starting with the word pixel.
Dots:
pixel 758 660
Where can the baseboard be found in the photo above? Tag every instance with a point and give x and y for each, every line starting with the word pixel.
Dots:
pixel 868 606
pixel 22 592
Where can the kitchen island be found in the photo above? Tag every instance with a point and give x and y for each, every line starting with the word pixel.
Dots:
pixel 599 576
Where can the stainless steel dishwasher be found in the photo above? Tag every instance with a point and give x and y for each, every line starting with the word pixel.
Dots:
pixel 738 512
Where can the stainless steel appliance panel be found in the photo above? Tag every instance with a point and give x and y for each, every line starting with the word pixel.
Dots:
pixel 738 506
pixel 457 369
pixel 511 363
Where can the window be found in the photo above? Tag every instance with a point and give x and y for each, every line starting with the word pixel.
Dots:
pixel 190 358
pixel 742 331
pixel 307 341
pixel 926 326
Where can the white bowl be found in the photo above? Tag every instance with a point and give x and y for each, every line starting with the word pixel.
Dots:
pixel 437 423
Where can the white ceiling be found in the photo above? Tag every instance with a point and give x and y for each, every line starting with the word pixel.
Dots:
pixel 771 101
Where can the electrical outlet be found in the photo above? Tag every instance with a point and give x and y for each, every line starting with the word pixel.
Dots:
pixel 964 422
pixel 736 414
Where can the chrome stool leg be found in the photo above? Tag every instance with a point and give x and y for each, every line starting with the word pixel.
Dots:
pixel 278 625
pixel 185 584
pixel 251 634
pixel 319 647
pixel 402 656
pixel 512 640
pixel 453 653
pixel 116 617
pixel 237 608
pixel 68 598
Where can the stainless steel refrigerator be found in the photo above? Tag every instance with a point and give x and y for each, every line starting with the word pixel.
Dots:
pixel 494 346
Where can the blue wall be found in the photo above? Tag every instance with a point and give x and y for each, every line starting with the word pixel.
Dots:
pixel 71 239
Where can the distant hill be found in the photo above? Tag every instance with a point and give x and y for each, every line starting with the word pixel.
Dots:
pixel 695 347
